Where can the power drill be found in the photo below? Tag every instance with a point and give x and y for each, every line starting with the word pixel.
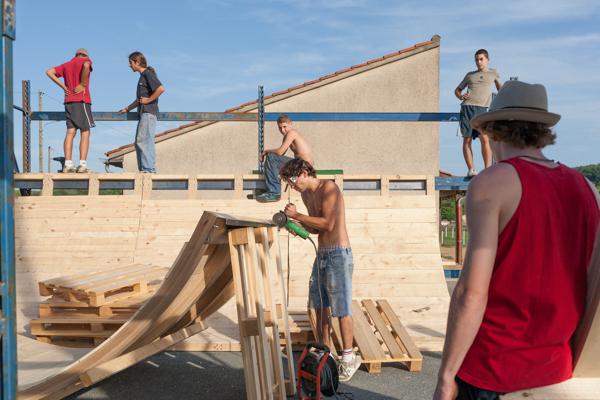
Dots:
pixel 282 221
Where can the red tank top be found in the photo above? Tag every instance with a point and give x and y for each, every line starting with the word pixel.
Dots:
pixel 538 288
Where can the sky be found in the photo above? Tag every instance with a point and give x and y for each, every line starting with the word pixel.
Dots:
pixel 211 55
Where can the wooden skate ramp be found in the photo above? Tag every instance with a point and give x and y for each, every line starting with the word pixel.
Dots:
pixel 198 282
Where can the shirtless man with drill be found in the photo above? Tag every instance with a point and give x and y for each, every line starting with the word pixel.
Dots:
pixel 330 286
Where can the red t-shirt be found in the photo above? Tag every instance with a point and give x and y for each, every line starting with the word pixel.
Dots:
pixel 538 288
pixel 71 72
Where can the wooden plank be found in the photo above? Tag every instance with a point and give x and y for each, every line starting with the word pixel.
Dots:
pixel 118 364
pixel 382 328
pixel 370 348
pixel 250 375
pixel 399 330
pixel 256 285
pixel 291 388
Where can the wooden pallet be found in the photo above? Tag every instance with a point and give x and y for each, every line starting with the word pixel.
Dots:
pixel 92 331
pixel 104 287
pixel 379 336
pixel 58 307
pixel 74 342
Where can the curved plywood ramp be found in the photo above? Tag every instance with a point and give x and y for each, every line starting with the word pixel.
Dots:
pixel 199 281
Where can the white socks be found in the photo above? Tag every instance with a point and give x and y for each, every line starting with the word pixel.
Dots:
pixel 68 163
pixel 347 355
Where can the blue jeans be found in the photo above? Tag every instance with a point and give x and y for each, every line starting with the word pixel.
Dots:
pixel 330 283
pixel 144 143
pixel 273 164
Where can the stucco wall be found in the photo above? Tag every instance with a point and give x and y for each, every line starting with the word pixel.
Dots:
pixel 407 85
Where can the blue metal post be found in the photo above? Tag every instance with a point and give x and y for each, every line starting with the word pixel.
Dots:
pixel 26 95
pixel 261 126
pixel 8 341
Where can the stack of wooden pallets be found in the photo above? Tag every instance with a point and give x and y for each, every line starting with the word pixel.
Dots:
pixel 84 310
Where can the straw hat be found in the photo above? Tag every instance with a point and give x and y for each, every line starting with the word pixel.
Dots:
pixel 518 101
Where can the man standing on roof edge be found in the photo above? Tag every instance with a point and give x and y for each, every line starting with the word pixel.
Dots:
pixel 78 105
pixel 149 89
pixel 522 291
pixel 475 101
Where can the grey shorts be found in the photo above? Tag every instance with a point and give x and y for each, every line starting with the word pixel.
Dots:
pixel 79 116
pixel 330 283
pixel 466 114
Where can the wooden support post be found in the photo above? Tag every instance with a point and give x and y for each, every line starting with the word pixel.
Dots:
pixel 339 180
pixel 93 185
pixel 238 187
pixel 385 185
pixel 430 185
pixel 192 186
pixel 146 186
pixel 138 184
pixel 47 185
pixel 291 383
pixel 247 345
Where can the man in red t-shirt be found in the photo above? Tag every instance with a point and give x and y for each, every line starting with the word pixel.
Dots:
pixel 521 294
pixel 78 105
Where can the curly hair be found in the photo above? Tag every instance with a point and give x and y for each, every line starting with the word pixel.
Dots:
pixel 520 134
pixel 296 167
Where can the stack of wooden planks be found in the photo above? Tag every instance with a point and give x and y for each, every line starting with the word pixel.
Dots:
pixel 83 310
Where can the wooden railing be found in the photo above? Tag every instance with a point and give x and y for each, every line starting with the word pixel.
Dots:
pixel 239 185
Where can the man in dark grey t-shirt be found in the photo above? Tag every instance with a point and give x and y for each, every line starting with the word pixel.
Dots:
pixel 148 90
pixel 475 101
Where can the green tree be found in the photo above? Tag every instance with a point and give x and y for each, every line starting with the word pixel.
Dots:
pixel 592 172
pixel 448 209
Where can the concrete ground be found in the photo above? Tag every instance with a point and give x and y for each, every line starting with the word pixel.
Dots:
pixel 219 376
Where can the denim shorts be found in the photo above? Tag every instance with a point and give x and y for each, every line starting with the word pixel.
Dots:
pixel 467 113
pixel 330 283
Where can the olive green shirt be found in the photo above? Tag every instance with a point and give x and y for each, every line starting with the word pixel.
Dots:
pixel 479 84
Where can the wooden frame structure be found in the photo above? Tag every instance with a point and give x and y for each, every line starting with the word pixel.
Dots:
pixel 257 314
pixel 198 284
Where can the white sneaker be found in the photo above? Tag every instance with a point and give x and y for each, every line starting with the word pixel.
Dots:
pixel 82 169
pixel 472 172
pixel 347 370
pixel 69 169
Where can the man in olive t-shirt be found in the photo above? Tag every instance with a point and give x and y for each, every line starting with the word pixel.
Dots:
pixel 476 100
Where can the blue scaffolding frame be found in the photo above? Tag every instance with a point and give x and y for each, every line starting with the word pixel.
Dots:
pixel 8 336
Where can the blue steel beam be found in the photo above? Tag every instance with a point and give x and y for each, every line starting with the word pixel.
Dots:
pixel 8 343
pixel 253 117
pixel 163 116
pixel 356 116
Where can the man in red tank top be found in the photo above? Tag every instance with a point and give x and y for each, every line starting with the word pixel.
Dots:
pixel 532 225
